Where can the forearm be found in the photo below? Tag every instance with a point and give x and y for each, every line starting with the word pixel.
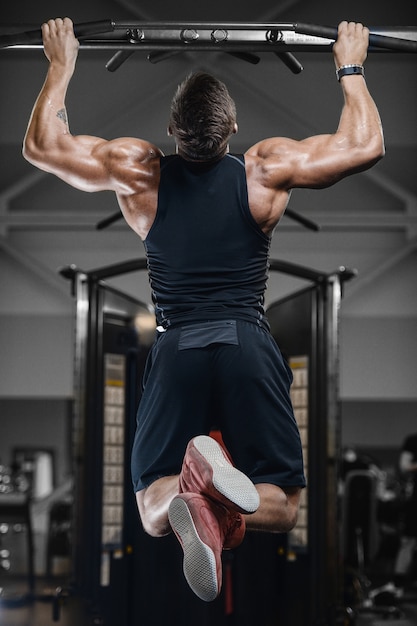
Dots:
pixel 48 123
pixel 360 124
pixel 360 130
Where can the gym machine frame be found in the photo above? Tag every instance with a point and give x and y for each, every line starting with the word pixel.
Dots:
pixel 324 577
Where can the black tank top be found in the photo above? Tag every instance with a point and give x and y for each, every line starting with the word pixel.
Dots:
pixel 207 257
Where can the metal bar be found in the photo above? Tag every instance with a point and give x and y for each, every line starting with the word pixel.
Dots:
pixel 302 220
pixel 87 29
pixel 285 267
pixel 117 59
pixel 378 40
pixel 296 45
pixel 290 61
pixel 392 221
pixel 203 36
pixel 116 269
pixel 134 265
pixel 165 46
pixel 170 25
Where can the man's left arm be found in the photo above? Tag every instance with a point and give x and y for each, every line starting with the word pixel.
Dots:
pixel 85 162
pixel 48 143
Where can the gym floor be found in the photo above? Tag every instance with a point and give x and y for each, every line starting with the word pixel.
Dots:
pixel 16 609
pixel 40 612
pixel 383 615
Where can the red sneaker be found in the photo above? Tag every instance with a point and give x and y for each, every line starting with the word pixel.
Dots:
pixel 204 528
pixel 207 469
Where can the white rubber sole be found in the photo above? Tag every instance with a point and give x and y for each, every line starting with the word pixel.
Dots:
pixel 228 481
pixel 199 563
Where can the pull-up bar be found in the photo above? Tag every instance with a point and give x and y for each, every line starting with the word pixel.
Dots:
pixel 231 36
pixel 165 39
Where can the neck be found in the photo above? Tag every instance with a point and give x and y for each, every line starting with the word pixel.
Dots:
pixel 212 159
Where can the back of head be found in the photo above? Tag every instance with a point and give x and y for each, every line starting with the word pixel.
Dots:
pixel 203 116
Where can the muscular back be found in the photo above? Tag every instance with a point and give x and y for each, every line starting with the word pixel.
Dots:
pixel 139 201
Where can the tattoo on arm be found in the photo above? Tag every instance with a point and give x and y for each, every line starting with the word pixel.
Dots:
pixel 62 115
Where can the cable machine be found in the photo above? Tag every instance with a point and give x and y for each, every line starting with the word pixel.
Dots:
pixel 112 336
pixel 305 325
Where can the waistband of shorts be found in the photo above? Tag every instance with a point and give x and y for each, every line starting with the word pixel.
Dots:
pixel 187 321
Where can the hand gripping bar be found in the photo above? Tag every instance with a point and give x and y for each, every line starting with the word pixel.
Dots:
pixel 33 37
pixel 379 41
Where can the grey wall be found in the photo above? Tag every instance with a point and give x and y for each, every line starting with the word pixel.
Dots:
pixel 378 344
pixel 378 332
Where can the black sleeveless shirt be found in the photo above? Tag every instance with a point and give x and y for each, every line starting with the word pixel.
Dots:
pixel 207 257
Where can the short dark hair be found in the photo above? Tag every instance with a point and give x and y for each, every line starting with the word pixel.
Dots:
pixel 203 116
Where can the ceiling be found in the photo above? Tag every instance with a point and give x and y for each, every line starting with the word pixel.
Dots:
pixel 367 222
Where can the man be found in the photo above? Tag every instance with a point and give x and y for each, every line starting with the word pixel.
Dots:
pixel 206 218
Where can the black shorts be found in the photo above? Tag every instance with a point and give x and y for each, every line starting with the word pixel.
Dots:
pixel 227 375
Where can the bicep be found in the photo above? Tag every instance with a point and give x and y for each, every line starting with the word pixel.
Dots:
pixel 93 164
pixel 81 161
pixel 77 160
pixel 315 162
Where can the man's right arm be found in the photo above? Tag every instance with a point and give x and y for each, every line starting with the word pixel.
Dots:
pixel 322 160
